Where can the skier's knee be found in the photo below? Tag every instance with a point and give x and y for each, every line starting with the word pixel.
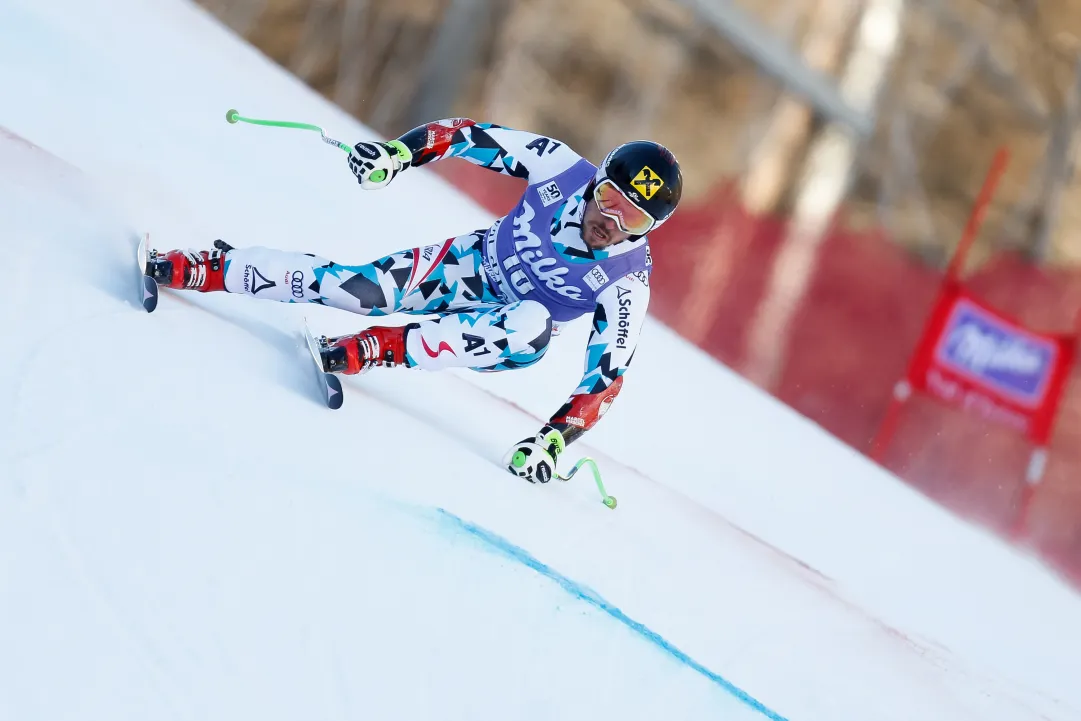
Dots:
pixel 533 321
pixel 532 325
pixel 529 330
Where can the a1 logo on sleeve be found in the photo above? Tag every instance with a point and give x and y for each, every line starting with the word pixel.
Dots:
pixel 596 278
pixel 550 193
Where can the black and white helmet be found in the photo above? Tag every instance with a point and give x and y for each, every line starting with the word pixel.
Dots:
pixel 649 176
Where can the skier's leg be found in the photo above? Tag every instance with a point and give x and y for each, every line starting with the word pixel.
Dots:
pixel 418 280
pixel 448 277
pixel 291 277
pixel 439 279
pixel 511 336
pixel 259 272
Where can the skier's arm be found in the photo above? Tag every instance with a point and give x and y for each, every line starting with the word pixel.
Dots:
pixel 516 153
pixel 617 323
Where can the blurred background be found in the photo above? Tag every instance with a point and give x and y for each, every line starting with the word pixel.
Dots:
pixel 832 154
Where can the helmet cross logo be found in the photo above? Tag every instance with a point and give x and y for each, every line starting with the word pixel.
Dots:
pixel 647 182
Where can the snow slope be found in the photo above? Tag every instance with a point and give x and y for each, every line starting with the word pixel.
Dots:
pixel 186 533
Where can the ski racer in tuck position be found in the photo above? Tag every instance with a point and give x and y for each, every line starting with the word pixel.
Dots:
pixel 575 243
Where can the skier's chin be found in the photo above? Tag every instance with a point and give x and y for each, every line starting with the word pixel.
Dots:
pixel 596 237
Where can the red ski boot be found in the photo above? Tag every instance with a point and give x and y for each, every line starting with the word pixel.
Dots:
pixel 352 354
pixel 202 270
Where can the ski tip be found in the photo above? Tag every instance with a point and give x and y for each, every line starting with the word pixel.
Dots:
pixel 141 252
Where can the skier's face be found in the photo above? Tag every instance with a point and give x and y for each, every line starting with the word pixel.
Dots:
pixel 598 230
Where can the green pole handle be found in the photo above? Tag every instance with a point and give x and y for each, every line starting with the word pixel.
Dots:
pixel 609 501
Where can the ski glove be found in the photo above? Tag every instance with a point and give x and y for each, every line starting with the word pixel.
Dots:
pixel 534 459
pixel 376 164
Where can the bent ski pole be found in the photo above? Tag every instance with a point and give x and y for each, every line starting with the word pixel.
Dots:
pixel 234 117
pixel 376 175
pixel 609 501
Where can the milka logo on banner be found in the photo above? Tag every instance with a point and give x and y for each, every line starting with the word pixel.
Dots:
pixel 995 354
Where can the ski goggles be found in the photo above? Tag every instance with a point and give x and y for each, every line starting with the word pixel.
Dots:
pixel 614 204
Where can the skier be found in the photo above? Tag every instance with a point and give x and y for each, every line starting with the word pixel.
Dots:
pixel 576 243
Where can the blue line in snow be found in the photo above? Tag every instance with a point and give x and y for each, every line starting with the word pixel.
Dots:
pixel 593 598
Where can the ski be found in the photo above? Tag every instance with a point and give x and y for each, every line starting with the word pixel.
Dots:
pixel 329 383
pixel 148 287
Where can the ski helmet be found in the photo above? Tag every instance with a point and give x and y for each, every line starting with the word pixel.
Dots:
pixel 649 176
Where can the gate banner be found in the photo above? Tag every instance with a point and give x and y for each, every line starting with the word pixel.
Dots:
pixel 975 358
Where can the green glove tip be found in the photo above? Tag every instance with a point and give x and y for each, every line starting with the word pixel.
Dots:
pixel 232 116
pixel 378 176
pixel 518 459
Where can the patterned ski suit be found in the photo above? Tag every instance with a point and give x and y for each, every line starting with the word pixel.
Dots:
pixel 495 292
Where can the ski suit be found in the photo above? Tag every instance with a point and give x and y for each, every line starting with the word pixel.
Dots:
pixel 496 291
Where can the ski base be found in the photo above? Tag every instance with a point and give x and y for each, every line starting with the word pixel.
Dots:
pixel 150 294
pixel 148 288
pixel 330 384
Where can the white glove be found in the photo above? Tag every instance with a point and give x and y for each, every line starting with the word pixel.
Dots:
pixel 376 164
pixel 534 459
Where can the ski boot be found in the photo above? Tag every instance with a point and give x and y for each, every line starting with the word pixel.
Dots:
pixel 202 270
pixel 359 353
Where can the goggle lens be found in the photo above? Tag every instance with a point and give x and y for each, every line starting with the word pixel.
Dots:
pixel 614 204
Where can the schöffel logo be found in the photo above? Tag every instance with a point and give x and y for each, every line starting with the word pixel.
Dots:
pixel 996 355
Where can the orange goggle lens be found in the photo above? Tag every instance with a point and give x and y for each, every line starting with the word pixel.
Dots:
pixel 613 203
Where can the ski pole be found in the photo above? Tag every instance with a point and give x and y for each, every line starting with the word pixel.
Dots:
pixel 609 501
pixel 234 117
